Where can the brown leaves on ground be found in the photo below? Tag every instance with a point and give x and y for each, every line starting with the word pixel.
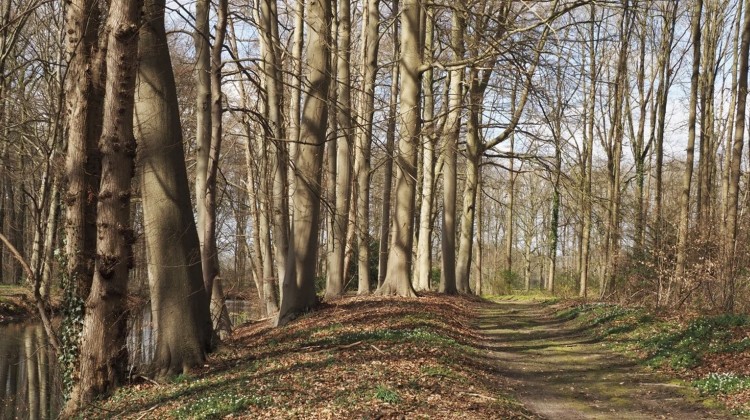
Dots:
pixel 358 357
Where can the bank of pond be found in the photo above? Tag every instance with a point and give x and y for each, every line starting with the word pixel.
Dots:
pixel 31 383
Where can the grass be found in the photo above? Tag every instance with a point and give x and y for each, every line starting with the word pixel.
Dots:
pixel 712 353
pixel 353 358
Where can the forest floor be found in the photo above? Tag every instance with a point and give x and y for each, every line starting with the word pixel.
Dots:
pixel 355 357
pixel 432 357
pixel 564 368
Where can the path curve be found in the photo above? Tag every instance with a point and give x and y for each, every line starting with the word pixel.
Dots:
pixel 561 372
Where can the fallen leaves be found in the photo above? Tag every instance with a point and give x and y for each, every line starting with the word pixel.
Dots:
pixel 356 357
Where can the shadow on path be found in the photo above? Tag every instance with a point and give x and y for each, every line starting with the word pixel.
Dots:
pixel 562 372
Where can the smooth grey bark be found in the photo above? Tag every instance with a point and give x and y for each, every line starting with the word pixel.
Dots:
pixel 179 302
pixel 390 141
pixel 279 160
pixel 730 123
pixel 370 43
pixel 590 106
pixel 258 197
pixel 423 265
pixel 298 289
pixel 448 276
pixel 201 40
pixel 734 178
pixel 209 251
pixel 614 156
pixel 336 274
pixel 397 281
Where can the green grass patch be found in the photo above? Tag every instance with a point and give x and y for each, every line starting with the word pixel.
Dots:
pixel 662 343
pixel 387 395
pixel 438 371
pixel 685 347
pixel 665 343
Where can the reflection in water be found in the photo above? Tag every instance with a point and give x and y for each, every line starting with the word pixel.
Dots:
pixel 30 385
pixel 30 382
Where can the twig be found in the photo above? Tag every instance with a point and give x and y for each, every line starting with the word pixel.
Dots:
pixel 379 351
pixel 471 394
pixel 149 379
pixel 147 411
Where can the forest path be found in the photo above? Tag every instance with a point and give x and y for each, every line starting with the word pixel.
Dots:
pixel 562 372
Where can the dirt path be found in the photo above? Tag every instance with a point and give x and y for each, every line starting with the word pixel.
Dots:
pixel 561 372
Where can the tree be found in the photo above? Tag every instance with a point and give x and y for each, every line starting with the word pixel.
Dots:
pixel 684 220
pixel 103 352
pixel 390 141
pixel 335 284
pixel 423 265
pixel 737 144
pixel 180 305
pixel 448 279
pixel 397 281
pixel 298 287
pixel 84 122
pixel 370 43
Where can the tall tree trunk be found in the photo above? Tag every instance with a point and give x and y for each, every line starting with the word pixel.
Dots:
pixel 179 302
pixel 84 118
pixel 662 96
pixel 209 251
pixel 103 352
pixel 390 141
pixel 734 179
pixel 614 156
pixel 397 281
pixel 590 107
pixel 201 40
pixel 83 101
pixel 730 124
pixel 299 282
pixel 258 198
pixel 423 264
pixel 277 158
pixel 684 220
pixel 370 43
pixel 335 284
pixel 474 150
pixel 448 279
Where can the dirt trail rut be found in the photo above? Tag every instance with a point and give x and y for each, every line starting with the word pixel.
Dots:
pixel 561 372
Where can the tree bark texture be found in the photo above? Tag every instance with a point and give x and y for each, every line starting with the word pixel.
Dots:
pixel 179 302
pixel 298 289
pixel 104 355
pixel 397 281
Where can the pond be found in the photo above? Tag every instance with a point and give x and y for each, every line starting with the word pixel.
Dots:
pixel 30 381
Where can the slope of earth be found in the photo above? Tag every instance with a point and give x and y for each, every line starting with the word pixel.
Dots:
pixel 371 358
pixel 562 372
pixel 16 303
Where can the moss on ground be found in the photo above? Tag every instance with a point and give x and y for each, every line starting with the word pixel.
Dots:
pixel 711 352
